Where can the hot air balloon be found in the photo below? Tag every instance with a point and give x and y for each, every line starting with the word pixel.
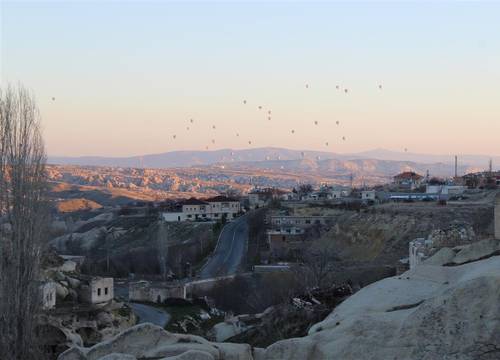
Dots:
pixel 326 143
pixel 53 99
pixel 302 154
pixel 260 107
pixel 269 112
pixel 191 121
pixel 307 86
pixel 346 90
pixel 244 101
pixel 315 122
pixel 337 87
pixel 268 118
pixel 380 87
pixel 174 136
pixel 213 141
pixel 293 131
pixel 343 138
pixel 338 122
pixel 249 142
pixel 187 128
pixel 206 147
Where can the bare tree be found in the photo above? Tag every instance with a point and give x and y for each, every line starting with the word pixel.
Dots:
pixel 318 264
pixel 23 209
pixel 162 242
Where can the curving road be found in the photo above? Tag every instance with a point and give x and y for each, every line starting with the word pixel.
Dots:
pixel 150 314
pixel 230 252
pixel 145 313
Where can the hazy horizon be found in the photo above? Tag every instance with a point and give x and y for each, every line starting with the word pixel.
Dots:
pixel 361 151
pixel 128 77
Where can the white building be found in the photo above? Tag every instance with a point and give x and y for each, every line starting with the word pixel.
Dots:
pixel 451 190
pixel 408 180
pixel 96 290
pixel 368 195
pixel 223 206
pixel 210 209
pixel 260 197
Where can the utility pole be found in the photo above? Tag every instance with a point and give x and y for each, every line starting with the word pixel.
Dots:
pixel 456 166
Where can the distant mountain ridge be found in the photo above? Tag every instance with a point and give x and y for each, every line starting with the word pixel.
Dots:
pixel 206 158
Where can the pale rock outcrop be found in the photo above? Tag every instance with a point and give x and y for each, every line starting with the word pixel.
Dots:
pixel 68 266
pixel 150 341
pixel 61 291
pixel 227 329
pixel 85 240
pixel 477 251
pixel 74 283
pixel 443 256
pixel 118 356
pixel 429 313
pixel 465 254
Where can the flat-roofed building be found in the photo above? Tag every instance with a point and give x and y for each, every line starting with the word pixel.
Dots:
pixel 214 208
pixel 96 290
pixel 299 221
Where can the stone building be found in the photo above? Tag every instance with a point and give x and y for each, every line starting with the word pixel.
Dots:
pixel 299 221
pixel 214 208
pixel 96 290
pixel 157 293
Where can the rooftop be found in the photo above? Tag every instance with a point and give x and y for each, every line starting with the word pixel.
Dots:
pixel 221 198
pixel 194 201
pixel 408 175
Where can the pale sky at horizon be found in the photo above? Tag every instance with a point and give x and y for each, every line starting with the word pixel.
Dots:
pixel 128 76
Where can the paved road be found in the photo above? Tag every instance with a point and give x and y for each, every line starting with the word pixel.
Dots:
pixel 145 313
pixel 230 252
pixel 150 314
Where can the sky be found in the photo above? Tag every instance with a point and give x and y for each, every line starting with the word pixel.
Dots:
pixel 127 77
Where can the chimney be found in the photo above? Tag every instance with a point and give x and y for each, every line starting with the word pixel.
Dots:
pixel 456 166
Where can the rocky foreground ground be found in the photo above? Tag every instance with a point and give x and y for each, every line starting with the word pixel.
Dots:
pixel 447 308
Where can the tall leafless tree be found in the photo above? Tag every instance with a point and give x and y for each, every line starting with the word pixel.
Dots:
pixel 22 222
pixel 319 261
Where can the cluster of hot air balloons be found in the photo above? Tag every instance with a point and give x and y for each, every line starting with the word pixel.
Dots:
pixel 269 118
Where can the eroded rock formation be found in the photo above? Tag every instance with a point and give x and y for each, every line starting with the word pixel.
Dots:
pixel 431 312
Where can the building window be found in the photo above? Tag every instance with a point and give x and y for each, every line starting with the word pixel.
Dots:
pixel 308 221
pixel 99 292
pixel 105 291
